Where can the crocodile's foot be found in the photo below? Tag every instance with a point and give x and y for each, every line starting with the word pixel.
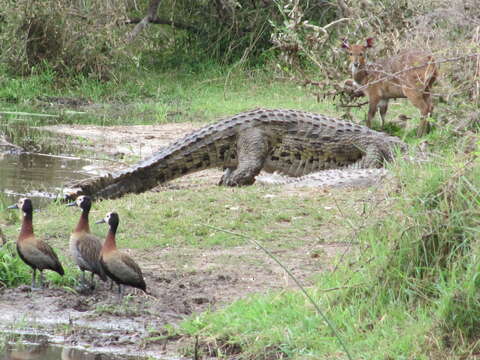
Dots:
pixel 233 178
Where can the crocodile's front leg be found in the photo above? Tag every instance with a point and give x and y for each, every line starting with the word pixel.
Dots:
pixel 252 151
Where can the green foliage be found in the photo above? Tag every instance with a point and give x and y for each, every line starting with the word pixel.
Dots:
pixel 68 37
pixel 143 96
pixel 438 228
pixel 230 31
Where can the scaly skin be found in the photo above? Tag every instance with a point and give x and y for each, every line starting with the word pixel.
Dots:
pixel 328 178
pixel 291 142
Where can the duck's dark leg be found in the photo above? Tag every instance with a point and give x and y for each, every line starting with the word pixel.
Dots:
pixel 120 292
pixel 41 279
pixel 33 286
pixel 92 282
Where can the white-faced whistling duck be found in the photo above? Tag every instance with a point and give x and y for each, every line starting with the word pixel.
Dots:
pixel 35 252
pixel 118 266
pixel 84 246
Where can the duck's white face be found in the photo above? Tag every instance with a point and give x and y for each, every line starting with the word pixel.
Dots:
pixel 21 202
pixel 80 200
pixel 108 217
pixel 111 219
pixel 25 204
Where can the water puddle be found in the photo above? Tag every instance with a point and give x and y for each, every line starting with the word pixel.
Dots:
pixel 33 175
pixel 42 175
pixel 38 164
pixel 27 346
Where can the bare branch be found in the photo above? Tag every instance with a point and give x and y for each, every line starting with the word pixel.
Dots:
pixel 353 105
pixel 151 15
pixel 163 21
pixel 346 12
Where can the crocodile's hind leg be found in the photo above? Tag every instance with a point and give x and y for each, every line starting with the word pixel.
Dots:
pixel 372 158
pixel 252 151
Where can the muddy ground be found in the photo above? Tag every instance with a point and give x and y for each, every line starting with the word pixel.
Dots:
pixel 182 281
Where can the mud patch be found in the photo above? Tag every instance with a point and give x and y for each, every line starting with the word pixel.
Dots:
pixel 139 141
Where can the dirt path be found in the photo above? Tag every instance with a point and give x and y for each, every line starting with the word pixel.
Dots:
pixel 134 140
pixel 188 280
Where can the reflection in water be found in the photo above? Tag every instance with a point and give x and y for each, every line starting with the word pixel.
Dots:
pixel 76 354
pixel 46 352
pixel 39 176
pixel 26 352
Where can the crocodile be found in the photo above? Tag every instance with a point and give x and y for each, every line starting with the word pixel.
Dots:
pixel 291 142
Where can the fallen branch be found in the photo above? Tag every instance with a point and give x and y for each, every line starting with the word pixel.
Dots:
pixel 76 157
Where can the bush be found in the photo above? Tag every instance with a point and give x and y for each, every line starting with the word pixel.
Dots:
pixel 71 37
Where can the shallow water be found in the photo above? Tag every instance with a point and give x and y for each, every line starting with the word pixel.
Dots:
pixel 45 351
pixel 41 177
pixel 49 352
pixel 22 345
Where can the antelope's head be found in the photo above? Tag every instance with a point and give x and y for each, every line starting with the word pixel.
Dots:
pixel 357 53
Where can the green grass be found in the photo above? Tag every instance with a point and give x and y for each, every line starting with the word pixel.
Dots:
pixel 149 97
pixel 179 218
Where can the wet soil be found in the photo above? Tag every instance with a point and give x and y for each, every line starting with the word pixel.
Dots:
pixel 181 281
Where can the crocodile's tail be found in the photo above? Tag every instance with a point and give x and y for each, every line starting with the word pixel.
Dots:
pixel 206 148
pixel 328 178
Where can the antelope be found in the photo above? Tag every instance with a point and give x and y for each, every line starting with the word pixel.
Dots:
pixel 410 74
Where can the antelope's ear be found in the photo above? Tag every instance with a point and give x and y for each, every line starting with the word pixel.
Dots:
pixel 369 42
pixel 345 43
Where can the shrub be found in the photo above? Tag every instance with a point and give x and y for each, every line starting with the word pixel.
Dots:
pixel 71 37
